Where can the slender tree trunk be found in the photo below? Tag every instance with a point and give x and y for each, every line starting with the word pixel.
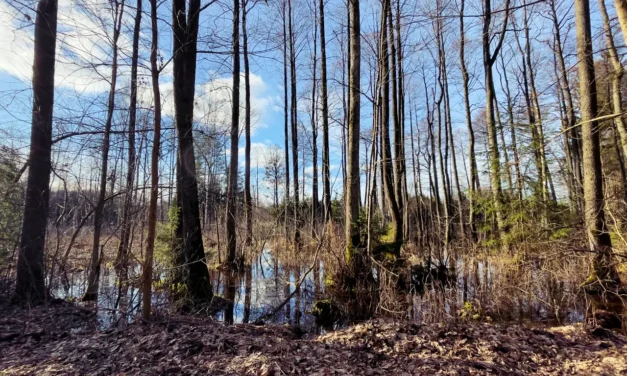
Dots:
pixel 122 256
pixel 617 76
pixel 352 180
pixel 248 205
pixel 285 120
pixel 508 167
pixel 386 152
pixel 294 119
pixel 154 169
pixel 573 134
pixel 326 173
pixel 450 139
pixel 512 133
pixel 488 61
pixel 474 175
pixel 94 268
pixel 231 200
pixel 598 237
pixel 315 211
pixel 29 287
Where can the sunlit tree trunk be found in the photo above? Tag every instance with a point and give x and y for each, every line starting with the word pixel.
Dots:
pixel 573 133
pixel 386 151
pixel 352 180
pixel 617 75
pixel 598 237
pixel 488 61
pixel 512 133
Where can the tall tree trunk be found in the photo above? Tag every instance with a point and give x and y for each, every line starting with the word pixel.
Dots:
pixel 512 133
pixel 185 36
pixel 315 210
pixel 352 180
pixel 450 139
pixel 538 126
pixel 231 198
pixel 402 162
pixel 396 121
pixel 285 120
pixel 326 173
pixel 94 268
pixel 154 168
pixel 122 256
pixel 248 205
pixel 29 287
pixel 294 119
pixel 386 152
pixel 598 237
pixel 572 135
pixel 617 75
pixel 488 61
pixel 621 12
pixel 474 175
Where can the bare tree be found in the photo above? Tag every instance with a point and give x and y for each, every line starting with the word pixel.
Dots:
pixel 94 269
pixel 154 169
pixel 30 264
pixel 352 180
pixel 185 38
pixel 598 237
pixel 231 198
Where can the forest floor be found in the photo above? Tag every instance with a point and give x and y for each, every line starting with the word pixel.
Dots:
pixel 63 339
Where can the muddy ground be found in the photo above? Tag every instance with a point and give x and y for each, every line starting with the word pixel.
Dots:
pixel 63 339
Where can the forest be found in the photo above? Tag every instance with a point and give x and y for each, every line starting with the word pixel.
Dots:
pixel 313 187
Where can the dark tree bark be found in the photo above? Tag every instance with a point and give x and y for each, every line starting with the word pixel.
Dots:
pixel 154 168
pixel 185 35
pixel 294 122
pixel 231 199
pixel 29 286
pixel 248 204
pixel 326 173
pixel 285 119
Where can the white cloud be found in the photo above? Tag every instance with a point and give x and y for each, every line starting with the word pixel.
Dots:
pixel 83 45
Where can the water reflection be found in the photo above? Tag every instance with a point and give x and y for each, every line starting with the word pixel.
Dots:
pixel 481 289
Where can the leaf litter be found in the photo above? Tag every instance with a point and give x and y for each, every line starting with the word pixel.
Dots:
pixel 63 339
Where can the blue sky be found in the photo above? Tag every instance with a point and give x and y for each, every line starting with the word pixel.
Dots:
pixel 82 71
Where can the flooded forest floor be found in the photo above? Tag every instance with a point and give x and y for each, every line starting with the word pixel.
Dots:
pixel 64 339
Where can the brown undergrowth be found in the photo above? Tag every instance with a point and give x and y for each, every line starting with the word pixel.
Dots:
pixel 62 339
